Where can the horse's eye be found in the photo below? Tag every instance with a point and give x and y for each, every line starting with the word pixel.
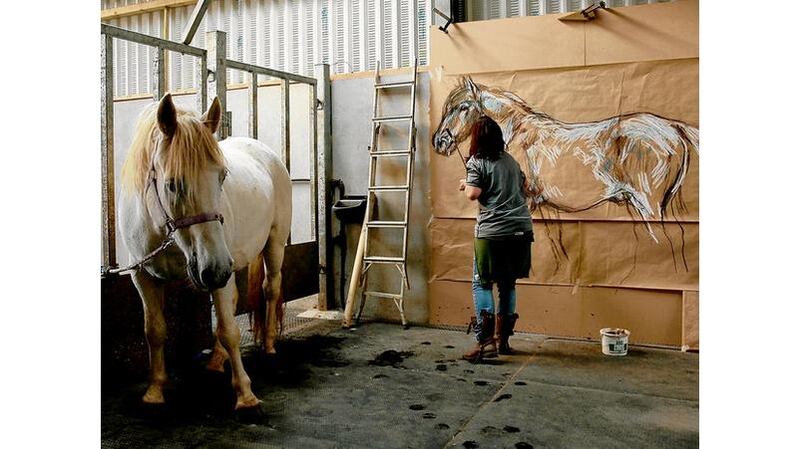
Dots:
pixel 222 175
pixel 172 185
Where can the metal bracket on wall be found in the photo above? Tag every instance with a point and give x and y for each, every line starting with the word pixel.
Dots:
pixel 446 17
pixel 586 14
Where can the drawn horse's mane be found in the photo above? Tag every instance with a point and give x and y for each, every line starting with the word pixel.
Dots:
pixel 462 93
pixel 190 150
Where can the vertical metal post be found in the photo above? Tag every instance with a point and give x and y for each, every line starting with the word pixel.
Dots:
pixel 252 105
pixel 286 155
pixel 216 56
pixel 322 72
pixel 107 150
pixel 312 155
pixel 285 129
pixel 159 74
pixel 201 98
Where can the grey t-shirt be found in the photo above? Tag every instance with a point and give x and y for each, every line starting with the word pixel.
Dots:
pixel 503 205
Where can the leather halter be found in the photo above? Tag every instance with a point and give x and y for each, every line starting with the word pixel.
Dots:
pixel 172 224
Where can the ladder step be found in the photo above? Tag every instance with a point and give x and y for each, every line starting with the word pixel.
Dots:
pixel 383 295
pixel 388 188
pixel 384 259
pixel 392 85
pixel 386 224
pixel 392 118
pixel 390 153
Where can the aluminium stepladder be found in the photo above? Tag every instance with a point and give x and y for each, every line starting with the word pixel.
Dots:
pixel 374 189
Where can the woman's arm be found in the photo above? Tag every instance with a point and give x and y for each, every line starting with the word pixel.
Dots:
pixel 472 193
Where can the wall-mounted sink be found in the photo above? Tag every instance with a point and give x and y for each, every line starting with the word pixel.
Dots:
pixel 350 208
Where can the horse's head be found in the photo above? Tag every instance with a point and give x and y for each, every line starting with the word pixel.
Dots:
pixel 461 109
pixel 187 170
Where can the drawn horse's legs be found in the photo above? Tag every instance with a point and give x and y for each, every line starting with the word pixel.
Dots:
pixel 273 259
pixel 155 330
pixel 228 335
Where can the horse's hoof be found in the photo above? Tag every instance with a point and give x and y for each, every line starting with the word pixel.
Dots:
pixel 153 397
pixel 251 402
pixel 251 415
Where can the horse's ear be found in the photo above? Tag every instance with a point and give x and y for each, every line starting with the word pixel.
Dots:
pixel 212 116
pixel 473 88
pixel 167 116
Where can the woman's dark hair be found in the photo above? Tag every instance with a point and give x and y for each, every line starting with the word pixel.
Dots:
pixel 487 139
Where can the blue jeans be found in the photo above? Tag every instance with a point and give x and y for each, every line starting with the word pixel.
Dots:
pixel 482 296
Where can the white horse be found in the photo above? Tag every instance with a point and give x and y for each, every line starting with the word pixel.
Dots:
pixel 226 206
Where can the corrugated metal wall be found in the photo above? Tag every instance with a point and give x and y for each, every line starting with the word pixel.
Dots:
pixel 289 35
pixel 293 35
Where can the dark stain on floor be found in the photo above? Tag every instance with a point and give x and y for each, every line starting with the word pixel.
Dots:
pixel 391 358
pixel 502 397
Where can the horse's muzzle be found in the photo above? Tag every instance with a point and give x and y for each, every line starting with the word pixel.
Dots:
pixel 443 142
pixel 211 277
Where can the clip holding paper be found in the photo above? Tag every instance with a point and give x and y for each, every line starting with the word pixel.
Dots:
pixel 446 17
pixel 586 14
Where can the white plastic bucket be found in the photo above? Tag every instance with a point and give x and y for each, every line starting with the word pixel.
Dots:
pixel 614 341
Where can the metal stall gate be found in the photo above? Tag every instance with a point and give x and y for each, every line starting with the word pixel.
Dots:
pixel 306 267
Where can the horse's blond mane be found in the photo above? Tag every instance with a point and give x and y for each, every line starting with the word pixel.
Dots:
pixel 190 150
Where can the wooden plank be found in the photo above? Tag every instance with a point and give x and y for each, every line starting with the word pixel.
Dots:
pixel 141 8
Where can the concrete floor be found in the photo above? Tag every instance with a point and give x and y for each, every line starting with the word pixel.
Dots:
pixel 336 388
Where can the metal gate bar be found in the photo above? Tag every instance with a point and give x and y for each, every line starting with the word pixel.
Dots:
pixel 212 66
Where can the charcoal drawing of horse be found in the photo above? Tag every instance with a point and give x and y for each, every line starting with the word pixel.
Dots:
pixel 638 160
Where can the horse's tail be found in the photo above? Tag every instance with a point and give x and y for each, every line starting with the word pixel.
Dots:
pixel 256 300
pixel 690 143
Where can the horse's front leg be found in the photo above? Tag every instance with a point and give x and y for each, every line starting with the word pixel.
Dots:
pixel 218 355
pixel 228 335
pixel 155 330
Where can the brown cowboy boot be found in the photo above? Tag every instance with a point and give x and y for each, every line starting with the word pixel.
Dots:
pixel 505 329
pixel 485 347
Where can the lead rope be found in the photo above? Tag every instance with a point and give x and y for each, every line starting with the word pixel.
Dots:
pixel 166 243
pixel 169 240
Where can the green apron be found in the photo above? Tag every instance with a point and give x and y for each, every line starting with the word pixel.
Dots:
pixel 506 258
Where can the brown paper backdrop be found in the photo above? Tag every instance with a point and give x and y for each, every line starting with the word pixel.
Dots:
pixel 614 274
pixel 665 88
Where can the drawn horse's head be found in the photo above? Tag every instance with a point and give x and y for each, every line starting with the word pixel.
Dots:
pixel 178 169
pixel 461 109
